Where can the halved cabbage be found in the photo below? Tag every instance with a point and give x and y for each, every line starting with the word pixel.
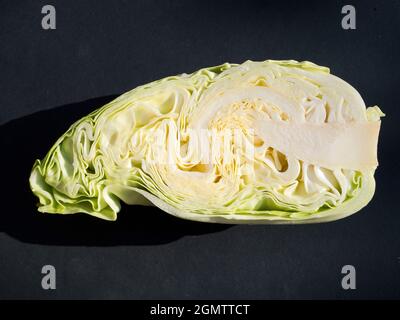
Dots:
pixel 260 142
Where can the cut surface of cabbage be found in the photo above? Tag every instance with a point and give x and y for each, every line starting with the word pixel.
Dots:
pixel 259 142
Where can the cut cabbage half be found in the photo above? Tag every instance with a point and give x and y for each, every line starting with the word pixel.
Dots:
pixel 260 142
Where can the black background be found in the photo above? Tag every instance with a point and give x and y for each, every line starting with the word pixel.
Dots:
pixel 49 78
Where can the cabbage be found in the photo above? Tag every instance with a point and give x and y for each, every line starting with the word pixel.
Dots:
pixel 260 142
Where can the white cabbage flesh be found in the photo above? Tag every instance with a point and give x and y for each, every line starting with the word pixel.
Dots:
pixel 260 142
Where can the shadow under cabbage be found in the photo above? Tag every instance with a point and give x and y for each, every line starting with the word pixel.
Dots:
pixel 26 139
